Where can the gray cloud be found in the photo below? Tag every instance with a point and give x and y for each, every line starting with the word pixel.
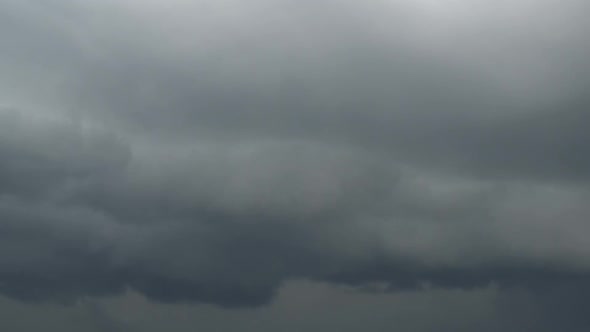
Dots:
pixel 209 152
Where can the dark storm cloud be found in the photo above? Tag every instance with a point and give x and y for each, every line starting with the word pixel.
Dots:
pixel 40 158
pixel 212 152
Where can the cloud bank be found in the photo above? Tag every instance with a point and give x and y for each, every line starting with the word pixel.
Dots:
pixel 211 151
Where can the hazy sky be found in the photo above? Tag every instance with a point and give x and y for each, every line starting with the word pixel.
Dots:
pixel 325 165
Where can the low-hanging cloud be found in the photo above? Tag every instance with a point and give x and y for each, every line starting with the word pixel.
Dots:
pixel 213 158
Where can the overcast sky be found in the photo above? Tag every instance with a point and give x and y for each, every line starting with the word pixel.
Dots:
pixel 283 165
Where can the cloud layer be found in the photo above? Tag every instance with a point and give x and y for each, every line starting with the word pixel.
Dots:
pixel 212 151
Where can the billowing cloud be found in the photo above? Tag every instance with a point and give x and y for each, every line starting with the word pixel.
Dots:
pixel 212 151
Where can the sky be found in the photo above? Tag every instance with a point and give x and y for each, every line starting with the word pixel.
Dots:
pixel 326 165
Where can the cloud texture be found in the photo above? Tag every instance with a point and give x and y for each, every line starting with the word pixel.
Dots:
pixel 210 151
